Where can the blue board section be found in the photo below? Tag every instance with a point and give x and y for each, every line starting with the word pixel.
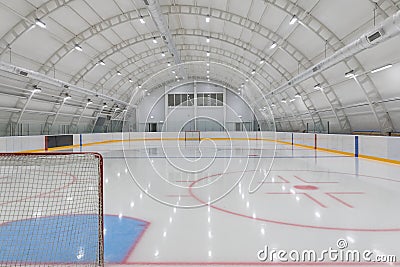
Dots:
pixel 356 146
pixel 41 240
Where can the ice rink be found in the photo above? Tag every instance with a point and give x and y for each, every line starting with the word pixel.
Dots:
pixel 214 203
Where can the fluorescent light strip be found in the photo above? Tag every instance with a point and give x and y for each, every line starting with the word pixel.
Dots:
pixel 349 74
pixel 40 23
pixel 382 68
pixel 78 48
pixel 293 20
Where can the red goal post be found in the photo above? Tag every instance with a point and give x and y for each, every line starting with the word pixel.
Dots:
pixel 192 136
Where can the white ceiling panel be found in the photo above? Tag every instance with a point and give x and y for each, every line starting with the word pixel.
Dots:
pixel 33 48
pixel 74 24
pixel 239 7
pixel 341 17
pixel 85 11
pixel 105 9
pixel 36 44
pixel 8 20
pixel 257 10
pixel 307 42
pixel 273 18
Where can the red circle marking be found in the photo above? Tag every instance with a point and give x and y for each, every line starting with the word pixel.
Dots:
pixel 231 212
pixel 306 187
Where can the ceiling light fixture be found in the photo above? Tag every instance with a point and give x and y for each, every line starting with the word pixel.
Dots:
pixel 142 20
pixel 208 64
pixel 318 87
pixel 382 68
pixel 78 48
pixel 293 20
pixel 36 89
pixel 40 23
pixel 349 74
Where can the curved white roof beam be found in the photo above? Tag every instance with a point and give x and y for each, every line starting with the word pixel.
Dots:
pixel 242 21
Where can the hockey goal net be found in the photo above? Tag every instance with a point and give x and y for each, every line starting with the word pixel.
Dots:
pixel 192 136
pixel 51 209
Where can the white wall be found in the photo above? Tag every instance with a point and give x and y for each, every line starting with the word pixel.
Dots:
pixel 21 143
pixel 174 118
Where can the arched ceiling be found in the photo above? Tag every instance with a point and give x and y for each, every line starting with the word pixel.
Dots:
pixel 239 34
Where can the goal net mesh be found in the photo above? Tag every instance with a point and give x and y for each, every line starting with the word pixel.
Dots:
pixel 51 209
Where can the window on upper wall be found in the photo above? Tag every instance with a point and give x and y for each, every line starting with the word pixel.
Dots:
pixel 220 99
pixel 182 100
pixel 203 100
pixel 200 100
pixel 178 100
pixel 171 100
pixel 190 99
pixel 210 99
